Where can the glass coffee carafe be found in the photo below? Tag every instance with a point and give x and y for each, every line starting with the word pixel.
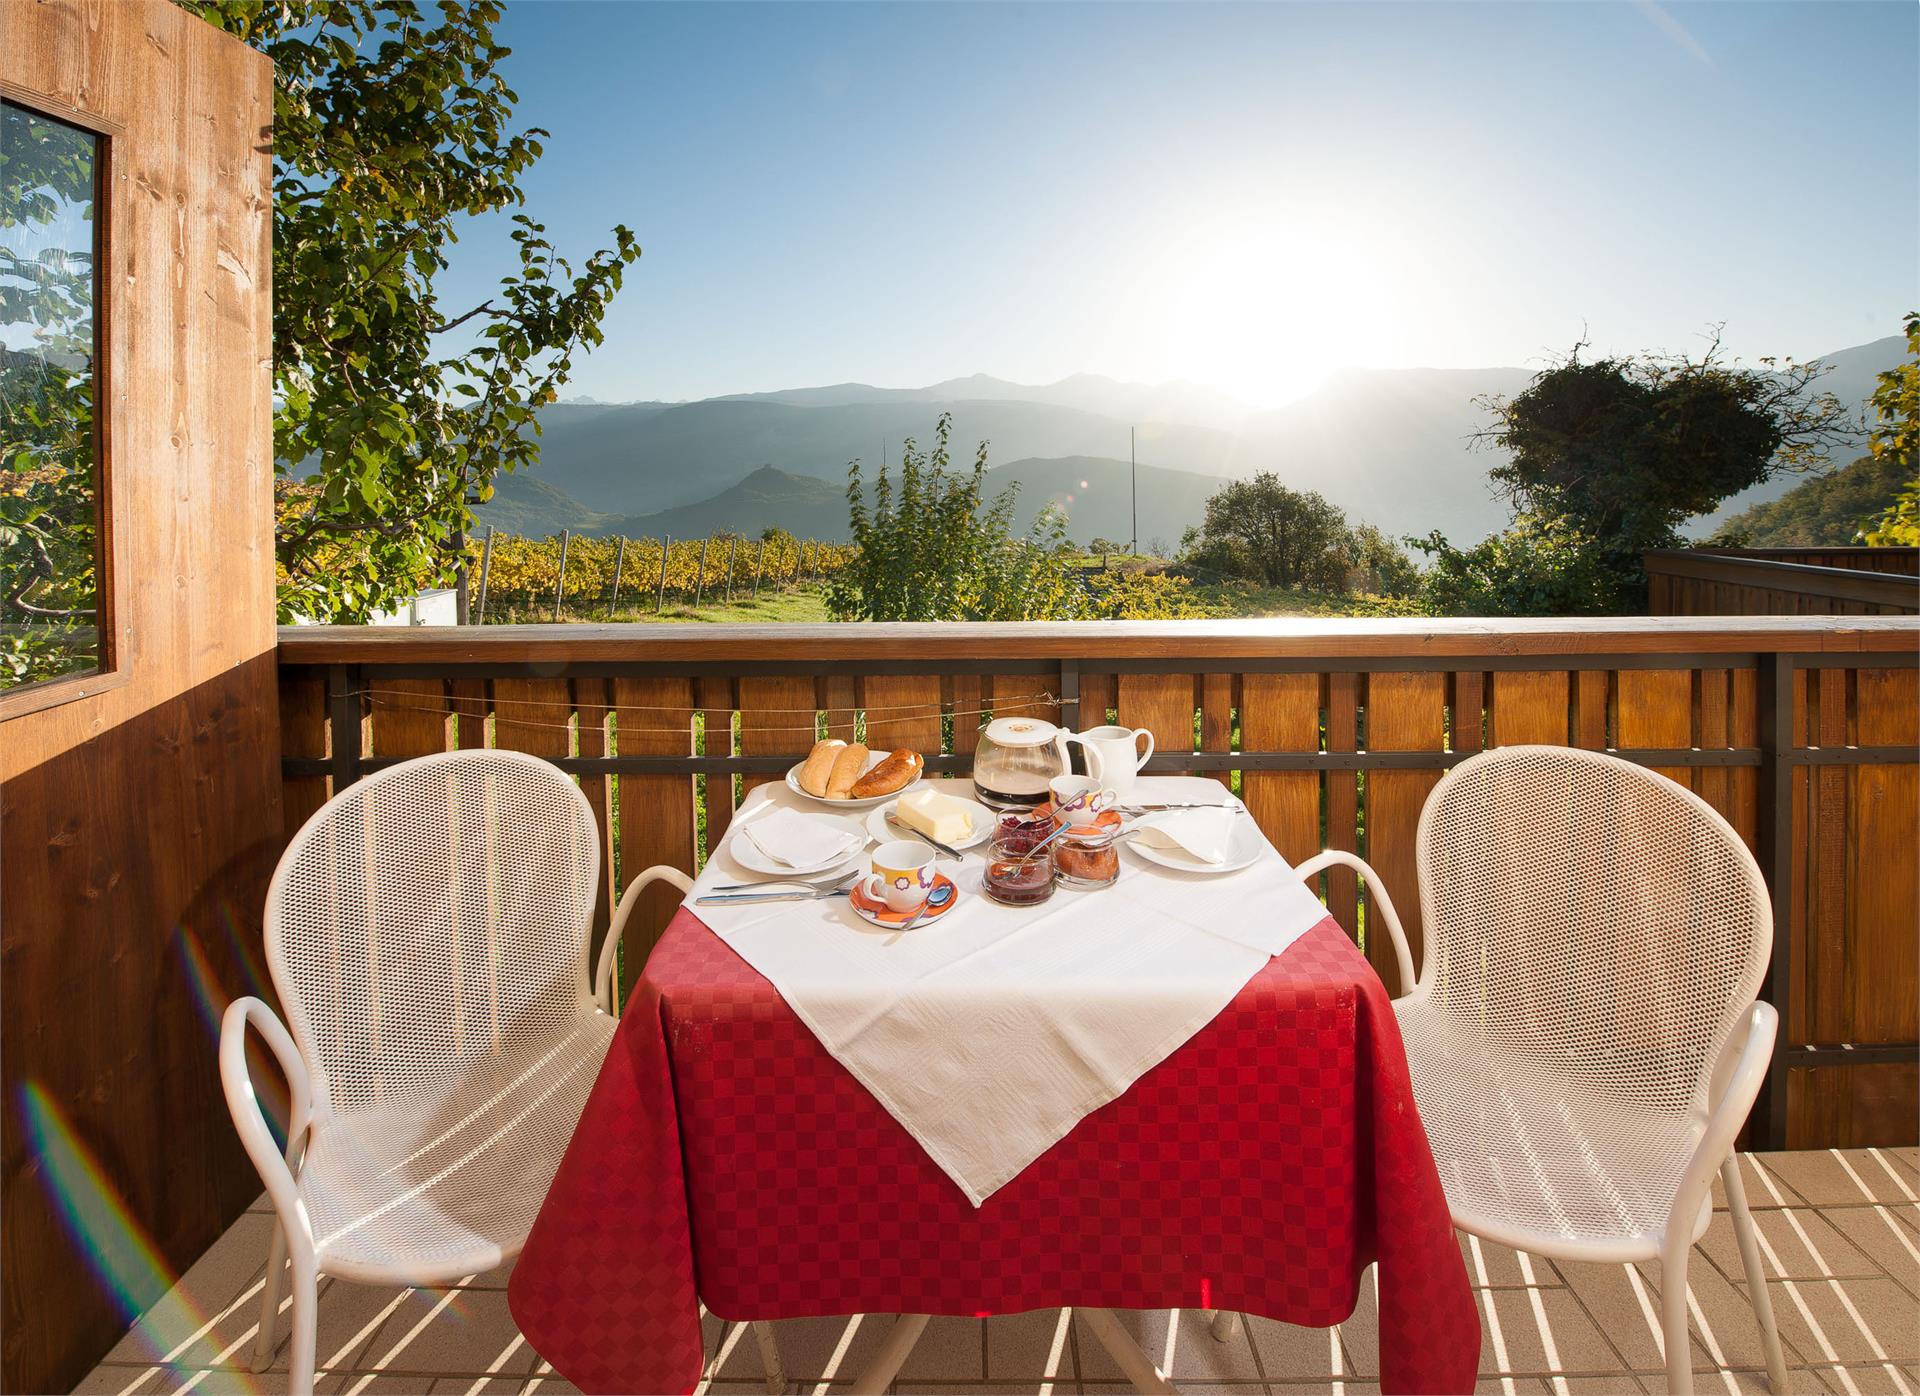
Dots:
pixel 1016 758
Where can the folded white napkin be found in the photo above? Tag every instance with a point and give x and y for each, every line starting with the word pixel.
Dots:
pixel 800 840
pixel 1205 833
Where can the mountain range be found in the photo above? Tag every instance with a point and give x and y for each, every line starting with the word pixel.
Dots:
pixel 1393 447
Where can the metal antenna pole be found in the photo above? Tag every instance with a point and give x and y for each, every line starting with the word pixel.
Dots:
pixel 1133 467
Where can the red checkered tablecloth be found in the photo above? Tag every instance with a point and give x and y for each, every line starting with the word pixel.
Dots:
pixel 725 1156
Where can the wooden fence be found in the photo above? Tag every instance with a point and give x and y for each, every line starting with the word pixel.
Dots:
pixel 1705 582
pixel 1802 732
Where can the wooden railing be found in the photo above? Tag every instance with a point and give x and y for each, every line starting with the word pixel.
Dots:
pixel 1802 732
pixel 1711 582
pixel 1904 562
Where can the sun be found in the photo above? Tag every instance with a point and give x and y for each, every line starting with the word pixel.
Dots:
pixel 1266 308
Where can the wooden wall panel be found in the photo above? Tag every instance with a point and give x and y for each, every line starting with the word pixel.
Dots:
pixel 653 717
pixel 1405 712
pixel 1343 797
pixel 1530 707
pixel 903 712
pixel 138 825
pixel 593 727
pixel 303 732
pixel 1281 712
pixel 410 717
pixel 715 697
pixel 778 717
pixel 1654 708
pixel 1164 704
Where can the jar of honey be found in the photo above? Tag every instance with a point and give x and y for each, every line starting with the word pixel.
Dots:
pixel 1087 857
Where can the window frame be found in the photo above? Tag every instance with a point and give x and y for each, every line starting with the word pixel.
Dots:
pixel 110 672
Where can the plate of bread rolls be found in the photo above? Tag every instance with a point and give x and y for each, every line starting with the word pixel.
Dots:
pixel 849 776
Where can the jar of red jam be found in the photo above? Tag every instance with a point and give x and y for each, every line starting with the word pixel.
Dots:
pixel 1023 827
pixel 1087 857
pixel 1017 874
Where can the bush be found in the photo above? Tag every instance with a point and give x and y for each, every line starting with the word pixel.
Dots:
pixel 930 546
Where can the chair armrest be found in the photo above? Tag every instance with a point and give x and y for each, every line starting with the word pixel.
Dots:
pixel 610 947
pixel 1382 904
pixel 278 1171
pixel 1736 1080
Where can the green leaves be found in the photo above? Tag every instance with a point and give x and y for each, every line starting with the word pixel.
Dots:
pixel 390 129
pixel 932 547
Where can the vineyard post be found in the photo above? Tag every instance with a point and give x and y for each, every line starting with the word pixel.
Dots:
pixel 619 561
pixel 486 566
pixel 560 582
pixel 700 581
pixel 759 566
pixel 733 551
pixel 660 602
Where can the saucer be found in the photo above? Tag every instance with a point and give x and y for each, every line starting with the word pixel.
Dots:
pixel 882 915
pixel 1105 821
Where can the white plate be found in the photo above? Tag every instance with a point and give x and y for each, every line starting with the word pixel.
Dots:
pixel 1244 848
pixel 749 856
pixel 874 758
pixel 984 822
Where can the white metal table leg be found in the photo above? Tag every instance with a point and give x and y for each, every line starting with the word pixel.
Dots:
pixel 770 1358
pixel 893 1352
pixel 1134 1364
pixel 1226 1325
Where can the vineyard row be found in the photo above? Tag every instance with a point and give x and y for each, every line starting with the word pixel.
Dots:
pixel 511 570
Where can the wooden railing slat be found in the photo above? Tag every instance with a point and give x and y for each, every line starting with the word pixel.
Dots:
pixel 1405 712
pixel 653 717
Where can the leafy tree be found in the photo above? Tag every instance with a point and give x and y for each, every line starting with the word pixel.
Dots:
pixel 929 545
pixel 391 126
pixel 1828 509
pixel 1895 442
pixel 1261 530
pixel 1606 459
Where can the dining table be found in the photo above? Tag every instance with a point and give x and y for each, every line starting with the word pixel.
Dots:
pixel 1260 1163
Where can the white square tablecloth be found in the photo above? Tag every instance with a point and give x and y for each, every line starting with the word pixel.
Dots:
pixel 991 1031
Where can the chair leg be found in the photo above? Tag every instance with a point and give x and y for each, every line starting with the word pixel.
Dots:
pixel 1226 1325
pixel 1673 1314
pixel 269 1334
pixel 306 1309
pixel 1743 1232
pixel 770 1357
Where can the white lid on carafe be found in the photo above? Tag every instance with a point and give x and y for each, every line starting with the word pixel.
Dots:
pixel 1020 731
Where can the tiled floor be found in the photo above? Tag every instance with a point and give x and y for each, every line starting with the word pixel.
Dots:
pixel 1840 1231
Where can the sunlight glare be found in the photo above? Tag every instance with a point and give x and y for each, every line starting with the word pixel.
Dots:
pixel 1264 308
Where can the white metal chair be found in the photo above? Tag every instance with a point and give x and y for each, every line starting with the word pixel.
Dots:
pixel 1583 1032
pixel 427 933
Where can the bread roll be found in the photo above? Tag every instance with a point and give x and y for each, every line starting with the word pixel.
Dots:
pixel 847 767
pixel 897 770
pixel 819 765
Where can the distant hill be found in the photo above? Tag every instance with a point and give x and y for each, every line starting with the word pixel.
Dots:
pixel 1827 510
pixel 1391 446
pixel 1094 492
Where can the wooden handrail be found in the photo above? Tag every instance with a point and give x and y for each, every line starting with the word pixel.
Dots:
pixel 1277 638
pixel 1888 589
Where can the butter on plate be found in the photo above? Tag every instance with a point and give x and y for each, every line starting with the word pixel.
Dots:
pixel 937 816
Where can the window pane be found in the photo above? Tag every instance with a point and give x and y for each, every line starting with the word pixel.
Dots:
pixel 50 568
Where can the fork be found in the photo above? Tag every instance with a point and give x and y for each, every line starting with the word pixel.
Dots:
pixel 812 894
pixel 811 883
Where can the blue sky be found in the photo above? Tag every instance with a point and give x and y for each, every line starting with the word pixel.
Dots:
pixel 1243 195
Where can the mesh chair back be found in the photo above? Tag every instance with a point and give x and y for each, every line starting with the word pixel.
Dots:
pixel 431 918
pixel 1592 919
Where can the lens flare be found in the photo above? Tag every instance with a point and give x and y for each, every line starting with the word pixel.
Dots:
pixel 108 1236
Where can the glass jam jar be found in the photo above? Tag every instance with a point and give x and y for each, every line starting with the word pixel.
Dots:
pixel 1086 858
pixel 1016 874
pixel 1022 827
